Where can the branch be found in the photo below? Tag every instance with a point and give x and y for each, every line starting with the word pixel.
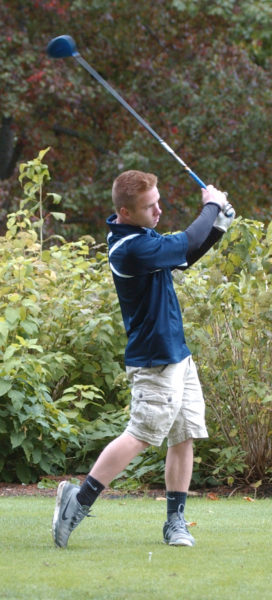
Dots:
pixel 59 130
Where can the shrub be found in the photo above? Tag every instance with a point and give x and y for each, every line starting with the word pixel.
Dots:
pixel 60 337
pixel 63 391
pixel 226 300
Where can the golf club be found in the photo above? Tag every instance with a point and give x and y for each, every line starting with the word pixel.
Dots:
pixel 64 45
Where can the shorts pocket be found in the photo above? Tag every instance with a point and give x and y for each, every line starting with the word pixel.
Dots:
pixel 153 413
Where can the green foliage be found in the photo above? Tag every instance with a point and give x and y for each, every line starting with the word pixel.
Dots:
pixel 248 24
pixel 226 300
pixel 61 339
pixel 96 435
pixel 37 174
pixel 145 469
pixel 63 391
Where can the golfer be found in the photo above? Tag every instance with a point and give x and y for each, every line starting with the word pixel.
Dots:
pixel 167 400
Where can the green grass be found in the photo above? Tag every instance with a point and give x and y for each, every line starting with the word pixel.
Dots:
pixel 108 556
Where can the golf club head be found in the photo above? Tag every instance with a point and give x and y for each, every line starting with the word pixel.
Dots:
pixel 61 47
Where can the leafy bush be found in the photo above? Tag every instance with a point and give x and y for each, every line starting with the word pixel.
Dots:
pixel 226 300
pixel 60 337
pixel 63 391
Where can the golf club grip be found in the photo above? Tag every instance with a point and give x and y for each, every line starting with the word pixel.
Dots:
pixel 196 178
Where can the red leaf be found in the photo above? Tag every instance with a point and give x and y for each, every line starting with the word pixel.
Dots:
pixel 35 77
pixel 212 496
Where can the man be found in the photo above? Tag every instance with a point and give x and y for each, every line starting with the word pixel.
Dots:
pixel 167 400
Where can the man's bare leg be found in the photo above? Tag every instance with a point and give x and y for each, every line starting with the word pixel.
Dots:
pixel 73 504
pixel 179 466
pixel 115 457
pixel 178 474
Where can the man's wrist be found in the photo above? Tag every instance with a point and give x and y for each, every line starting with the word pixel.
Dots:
pixel 214 204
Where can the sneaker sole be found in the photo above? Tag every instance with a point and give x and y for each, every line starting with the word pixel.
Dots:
pixel 56 513
pixel 179 543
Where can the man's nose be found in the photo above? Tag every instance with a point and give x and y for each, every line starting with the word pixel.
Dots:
pixel 158 210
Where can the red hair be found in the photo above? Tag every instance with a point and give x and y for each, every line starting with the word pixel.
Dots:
pixel 128 186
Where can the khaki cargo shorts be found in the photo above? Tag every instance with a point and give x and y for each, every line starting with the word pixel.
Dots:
pixel 167 402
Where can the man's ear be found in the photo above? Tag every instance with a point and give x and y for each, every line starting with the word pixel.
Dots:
pixel 124 212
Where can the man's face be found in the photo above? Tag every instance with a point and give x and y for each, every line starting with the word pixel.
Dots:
pixel 146 212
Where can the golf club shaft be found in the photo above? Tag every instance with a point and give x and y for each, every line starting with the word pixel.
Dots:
pixel 119 98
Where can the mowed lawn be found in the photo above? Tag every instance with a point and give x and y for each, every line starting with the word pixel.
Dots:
pixel 119 554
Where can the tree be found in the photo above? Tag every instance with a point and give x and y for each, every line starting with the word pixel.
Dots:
pixel 198 72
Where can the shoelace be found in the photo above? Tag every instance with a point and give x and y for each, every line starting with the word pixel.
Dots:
pixel 80 515
pixel 178 523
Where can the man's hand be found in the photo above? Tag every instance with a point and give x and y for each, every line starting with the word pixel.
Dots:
pixel 224 218
pixel 211 194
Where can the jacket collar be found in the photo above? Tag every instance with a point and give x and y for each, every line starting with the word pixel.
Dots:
pixel 123 229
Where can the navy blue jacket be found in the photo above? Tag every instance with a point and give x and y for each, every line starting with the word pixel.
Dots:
pixel 142 261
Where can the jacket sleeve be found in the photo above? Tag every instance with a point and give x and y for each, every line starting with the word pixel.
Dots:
pixel 201 234
pixel 145 254
pixel 192 256
pixel 201 227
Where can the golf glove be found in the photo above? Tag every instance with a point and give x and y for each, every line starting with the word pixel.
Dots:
pixel 224 218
